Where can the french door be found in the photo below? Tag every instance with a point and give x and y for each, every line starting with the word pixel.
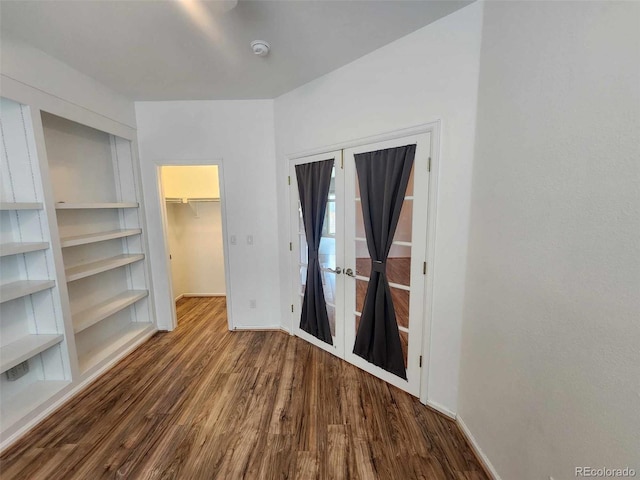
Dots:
pixel 330 253
pixel 345 260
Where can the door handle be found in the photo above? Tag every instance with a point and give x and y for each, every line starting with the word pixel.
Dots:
pixel 337 271
pixel 349 272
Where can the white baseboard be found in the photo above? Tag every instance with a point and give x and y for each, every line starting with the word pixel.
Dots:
pixel 286 329
pixel 489 468
pixel 258 327
pixel 204 294
pixel 440 409
pixel 189 295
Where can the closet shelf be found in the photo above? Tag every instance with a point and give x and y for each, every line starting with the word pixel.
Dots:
pixel 22 288
pixel 92 315
pixel 24 348
pixel 90 206
pixel 97 237
pixel 15 248
pixel 87 269
pixel 112 344
pixel 190 200
pixel 27 399
pixel 20 206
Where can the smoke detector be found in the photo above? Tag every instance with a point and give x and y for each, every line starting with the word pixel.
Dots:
pixel 260 48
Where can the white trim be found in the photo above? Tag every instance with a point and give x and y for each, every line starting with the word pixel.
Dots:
pixel 482 458
pixel 286 329
pixel 178 297
pixel 259 328
pixel 28 95
pixel 432 211
pixel 381 137
pixel 72 391
pixel 441 409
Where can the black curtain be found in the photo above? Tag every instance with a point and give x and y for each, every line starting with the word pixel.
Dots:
pixel 314 181
pixel 383 177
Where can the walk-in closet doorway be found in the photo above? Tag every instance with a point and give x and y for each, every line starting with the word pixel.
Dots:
pixel 194 226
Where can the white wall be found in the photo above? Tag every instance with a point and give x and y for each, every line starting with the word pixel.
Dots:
pixel 31 67
pixel 240 135
pixel 195 242
pixel 550 370
pixel 190 182
pixel 426 76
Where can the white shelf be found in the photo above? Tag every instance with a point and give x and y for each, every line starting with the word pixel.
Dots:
pixel 22 288
pixel 87 269
pixel 24 348
pixel 28 399
pixel 97 237
pixel 191 200
pixel 89 317
pixel 15 248
pixel 112 344
pixel 90 206
pixel 20 206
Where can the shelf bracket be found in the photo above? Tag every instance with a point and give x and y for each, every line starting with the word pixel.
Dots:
pixel 194 208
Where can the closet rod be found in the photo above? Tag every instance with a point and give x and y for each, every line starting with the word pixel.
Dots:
pixel 190 200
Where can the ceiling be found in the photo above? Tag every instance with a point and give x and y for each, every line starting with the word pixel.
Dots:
pixel 191 50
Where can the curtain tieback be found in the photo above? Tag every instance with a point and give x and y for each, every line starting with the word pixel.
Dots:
pixel 378 266
pixel 313 256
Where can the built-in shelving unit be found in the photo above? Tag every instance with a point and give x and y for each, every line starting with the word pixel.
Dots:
pixel 101 237
pixel 34 356
pixel 75 292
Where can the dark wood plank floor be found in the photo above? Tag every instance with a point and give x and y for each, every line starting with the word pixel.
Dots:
pixel 205 403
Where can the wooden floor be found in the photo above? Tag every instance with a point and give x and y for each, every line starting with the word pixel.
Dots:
pixel 205 403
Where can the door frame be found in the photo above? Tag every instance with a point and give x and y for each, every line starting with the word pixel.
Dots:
pixel 163 267
pixel 434 129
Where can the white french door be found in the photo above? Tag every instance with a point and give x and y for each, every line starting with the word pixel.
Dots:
pixel 346 264
pixel 330 255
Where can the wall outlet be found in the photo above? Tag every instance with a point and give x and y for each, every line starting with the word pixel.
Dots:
pixel 18 371
pixel 233 240
pixel 252 303
pixel 249 239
